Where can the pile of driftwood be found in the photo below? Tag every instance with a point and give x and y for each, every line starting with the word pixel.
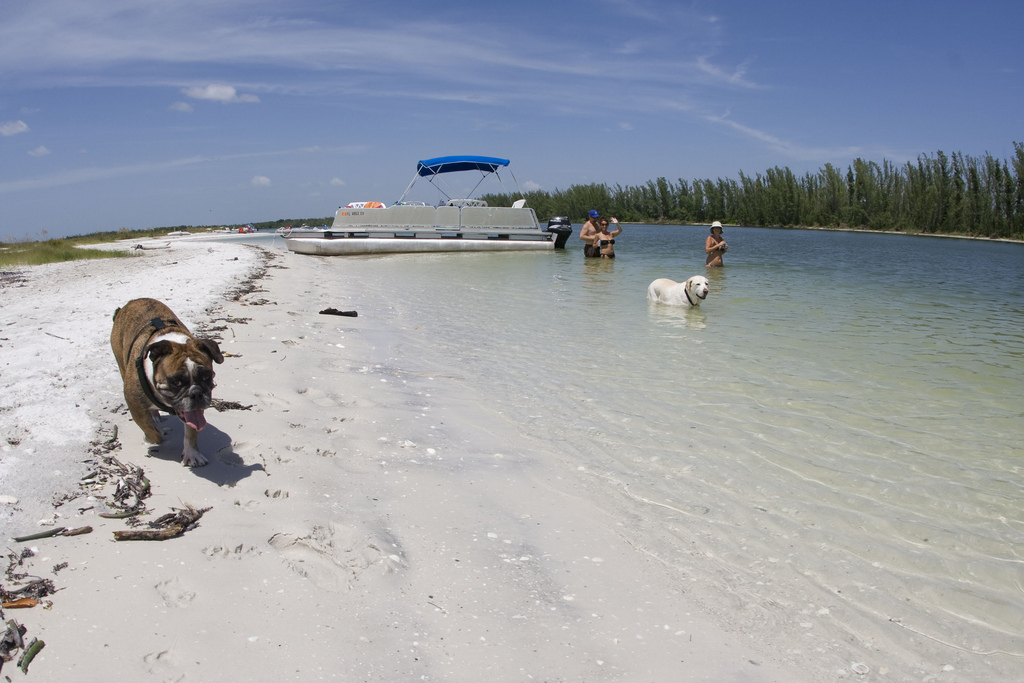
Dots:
pixel 13 639
pixel 30 593
pixel 131 488
pixel 122 488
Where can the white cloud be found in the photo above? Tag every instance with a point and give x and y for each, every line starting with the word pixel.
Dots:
pixel 39 151
pixel 626 126
pixel 13 127
pixel 261 181
pixel 531 186
pixel 224 94
pixel 737 77
pixel 337 182
pixel 182 107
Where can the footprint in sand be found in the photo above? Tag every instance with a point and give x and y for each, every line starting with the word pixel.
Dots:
pixel 275 494
pixel 164 664
pixel 174 594
pixel 336 556
pixel 235 553
pixel 319 397
pixel 269 400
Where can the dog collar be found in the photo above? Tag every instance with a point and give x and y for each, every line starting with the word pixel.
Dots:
pixel 157 324
pixel 687 293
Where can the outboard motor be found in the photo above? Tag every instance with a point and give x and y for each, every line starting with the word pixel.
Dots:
pixel 562 227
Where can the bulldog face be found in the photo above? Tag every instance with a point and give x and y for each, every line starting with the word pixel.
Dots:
pixel 183 375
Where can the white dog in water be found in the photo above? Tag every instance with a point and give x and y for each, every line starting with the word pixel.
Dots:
pixel 689 293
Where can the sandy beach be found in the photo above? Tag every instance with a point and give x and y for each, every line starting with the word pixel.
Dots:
pixel 345 537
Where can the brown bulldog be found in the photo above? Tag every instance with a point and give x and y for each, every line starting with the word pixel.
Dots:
pixel 164 368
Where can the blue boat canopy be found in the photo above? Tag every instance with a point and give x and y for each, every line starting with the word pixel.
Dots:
pixel 429 167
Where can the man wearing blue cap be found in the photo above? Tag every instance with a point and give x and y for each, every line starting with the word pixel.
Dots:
pixel 588 233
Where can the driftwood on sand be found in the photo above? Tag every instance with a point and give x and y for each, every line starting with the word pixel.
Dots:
pixel 168 526
pixel 12 640
pixel 335 311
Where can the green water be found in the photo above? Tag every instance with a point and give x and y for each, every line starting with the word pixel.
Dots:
pixel 828 450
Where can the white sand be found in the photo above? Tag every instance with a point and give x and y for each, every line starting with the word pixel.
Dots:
pixel 341 544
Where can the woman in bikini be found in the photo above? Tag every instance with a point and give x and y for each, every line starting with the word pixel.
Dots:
pixel 605 239
pixel 715 246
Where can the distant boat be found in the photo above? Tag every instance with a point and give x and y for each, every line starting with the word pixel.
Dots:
pixel 455 225
pixel 179 233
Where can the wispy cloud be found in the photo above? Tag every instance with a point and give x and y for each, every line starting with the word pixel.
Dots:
pixel 183 107
pixel 13 128
pixel 794 150
pixel 337 182
pixel 661 47
pixel 84 175
pixel 226 94
pixel 39 151
pixel 261 181
pixel 736 77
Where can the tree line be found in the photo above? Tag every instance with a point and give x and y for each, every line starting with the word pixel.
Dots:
pixel 954 194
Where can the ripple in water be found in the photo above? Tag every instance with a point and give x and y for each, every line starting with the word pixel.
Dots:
pixel 829 446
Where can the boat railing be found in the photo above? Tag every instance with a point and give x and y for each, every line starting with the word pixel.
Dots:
pixel 411 219
pixel 503 217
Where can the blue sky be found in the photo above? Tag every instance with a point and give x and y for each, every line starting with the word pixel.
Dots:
pixel 197 112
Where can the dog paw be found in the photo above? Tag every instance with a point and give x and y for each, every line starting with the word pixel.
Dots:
pixel 192 459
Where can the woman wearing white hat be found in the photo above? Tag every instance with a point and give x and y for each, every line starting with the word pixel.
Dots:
pixel 715 246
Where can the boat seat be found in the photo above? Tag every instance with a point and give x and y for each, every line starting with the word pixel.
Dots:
pixel 447 218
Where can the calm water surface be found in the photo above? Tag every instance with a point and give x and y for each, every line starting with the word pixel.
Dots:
pixel 830 446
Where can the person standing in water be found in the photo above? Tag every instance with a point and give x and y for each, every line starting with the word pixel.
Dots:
pixel 588 233
pixel 715 246
pixel 606 239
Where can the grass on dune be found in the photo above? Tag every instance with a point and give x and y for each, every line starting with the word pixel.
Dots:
pixel 50 251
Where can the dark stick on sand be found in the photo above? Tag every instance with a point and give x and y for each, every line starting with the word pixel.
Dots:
pixel 168 526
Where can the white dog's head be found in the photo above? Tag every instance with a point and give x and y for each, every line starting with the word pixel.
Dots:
pixel 697 288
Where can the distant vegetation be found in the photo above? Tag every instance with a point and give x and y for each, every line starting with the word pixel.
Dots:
pixel 940 194
pixel 957 194
pixel 26 253
pixel 125 233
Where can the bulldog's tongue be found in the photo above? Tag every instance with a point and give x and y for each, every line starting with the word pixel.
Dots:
pixel 194 419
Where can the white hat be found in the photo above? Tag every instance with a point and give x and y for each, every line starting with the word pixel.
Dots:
pixel 717 224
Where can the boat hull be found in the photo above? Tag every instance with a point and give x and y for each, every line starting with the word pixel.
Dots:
pixel 392 245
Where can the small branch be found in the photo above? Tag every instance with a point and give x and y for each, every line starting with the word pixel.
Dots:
pixel 148 534
pixel 30 652
pixel 42 534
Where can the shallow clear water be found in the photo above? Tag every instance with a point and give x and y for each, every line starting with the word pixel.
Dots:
pixel 830 447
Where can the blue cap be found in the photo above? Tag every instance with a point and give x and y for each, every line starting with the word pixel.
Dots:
pixel 594 213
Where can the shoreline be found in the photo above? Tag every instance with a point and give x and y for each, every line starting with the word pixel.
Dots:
pixel 1008 240
pixel 362 525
